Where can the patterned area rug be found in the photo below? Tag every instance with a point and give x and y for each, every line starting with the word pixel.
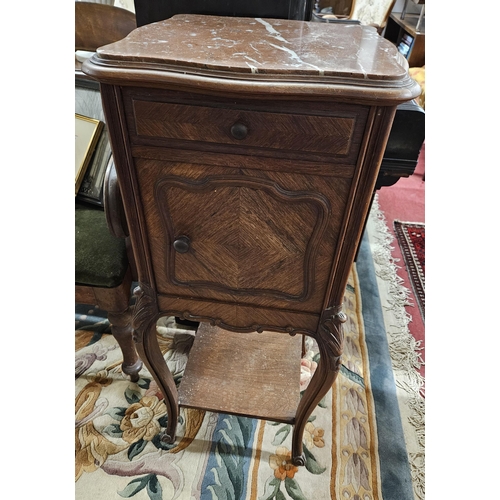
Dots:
pixel 354 441
pixel 404 349
pixel 411 239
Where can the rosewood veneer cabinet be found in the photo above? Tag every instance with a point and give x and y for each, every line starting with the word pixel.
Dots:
pixel 247 151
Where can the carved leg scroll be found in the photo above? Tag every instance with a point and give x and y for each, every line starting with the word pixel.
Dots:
pixel 330 339
pixel 146 314
pixel 121 328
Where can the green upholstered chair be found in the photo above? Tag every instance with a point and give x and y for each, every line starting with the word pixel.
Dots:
pixel 103 275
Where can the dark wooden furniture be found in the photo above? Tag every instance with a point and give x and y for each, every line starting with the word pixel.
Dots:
pixel 404 144
pixel 247 152
pixel 337 7
pixel 397 29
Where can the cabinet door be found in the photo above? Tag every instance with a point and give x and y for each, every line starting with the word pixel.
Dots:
pixel 248 237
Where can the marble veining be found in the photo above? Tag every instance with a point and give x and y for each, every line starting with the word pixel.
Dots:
pixel 271 30
pixel 296 58
pixel 262 46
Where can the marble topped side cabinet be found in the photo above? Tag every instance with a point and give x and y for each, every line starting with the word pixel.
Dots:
pixel 247 151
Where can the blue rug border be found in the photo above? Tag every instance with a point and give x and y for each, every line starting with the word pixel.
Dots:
pixel 395 471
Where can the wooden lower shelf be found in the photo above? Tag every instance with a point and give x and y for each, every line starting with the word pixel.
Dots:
pixel 251 374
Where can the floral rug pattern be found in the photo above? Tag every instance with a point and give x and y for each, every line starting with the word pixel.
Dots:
pixel 119 454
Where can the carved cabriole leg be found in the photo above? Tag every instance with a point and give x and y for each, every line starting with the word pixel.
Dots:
pixel 330 340
pixel 121 328
pixel 145 317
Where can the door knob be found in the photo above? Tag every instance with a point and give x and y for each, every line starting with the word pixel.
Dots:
pixel 239 131
pixel 181 244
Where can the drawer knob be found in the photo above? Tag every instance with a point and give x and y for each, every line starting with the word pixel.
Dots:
pixel 239 131
pixel 181 244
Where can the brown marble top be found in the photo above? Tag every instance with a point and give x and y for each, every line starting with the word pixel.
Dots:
pixel 262 46
pixel 255 49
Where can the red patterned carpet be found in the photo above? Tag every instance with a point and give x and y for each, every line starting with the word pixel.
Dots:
pixel 405 201
pixel 411 239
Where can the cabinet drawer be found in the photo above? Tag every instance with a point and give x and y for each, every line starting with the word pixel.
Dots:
pixel 337 135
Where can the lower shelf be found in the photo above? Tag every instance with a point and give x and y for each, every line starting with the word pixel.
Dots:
pixel 252 374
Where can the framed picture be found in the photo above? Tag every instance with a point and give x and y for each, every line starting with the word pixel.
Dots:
pixel 87 132
pixel 92 186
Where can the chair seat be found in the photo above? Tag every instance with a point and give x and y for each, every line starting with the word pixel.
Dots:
pixel 100 258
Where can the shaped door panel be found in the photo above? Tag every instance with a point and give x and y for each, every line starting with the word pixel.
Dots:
pixel 240 238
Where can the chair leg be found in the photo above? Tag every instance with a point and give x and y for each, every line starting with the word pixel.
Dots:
pixel 116 302
pixel 121 329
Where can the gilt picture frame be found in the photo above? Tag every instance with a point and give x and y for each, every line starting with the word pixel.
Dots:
pixel 87 132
